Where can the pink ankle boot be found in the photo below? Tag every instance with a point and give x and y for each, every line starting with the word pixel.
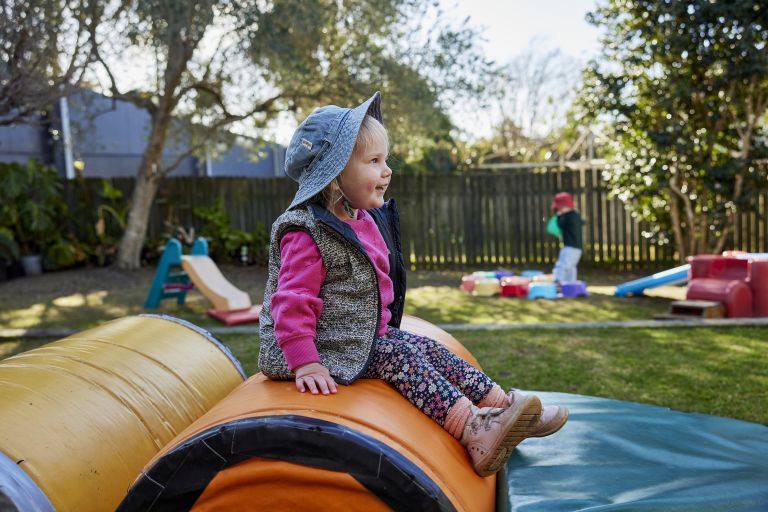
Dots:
pixel 552 419
pixel 490 434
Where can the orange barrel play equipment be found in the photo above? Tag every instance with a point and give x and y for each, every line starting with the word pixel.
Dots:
pixel 81 416
pixel 268 447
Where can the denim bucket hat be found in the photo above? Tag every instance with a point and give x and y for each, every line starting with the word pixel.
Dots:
pixel 322 144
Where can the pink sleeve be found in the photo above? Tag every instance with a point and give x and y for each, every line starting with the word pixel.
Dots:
pixel 296 304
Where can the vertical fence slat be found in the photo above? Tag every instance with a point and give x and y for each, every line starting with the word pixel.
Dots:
pixel 471 221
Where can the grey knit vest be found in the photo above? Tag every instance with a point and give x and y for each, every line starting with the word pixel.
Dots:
pixel 351 311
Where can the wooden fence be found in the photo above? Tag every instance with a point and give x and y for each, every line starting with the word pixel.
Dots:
pixel 473 221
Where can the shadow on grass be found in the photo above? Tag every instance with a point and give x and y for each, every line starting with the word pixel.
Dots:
pixel 448 304
pixel 708 370
pixel 82 298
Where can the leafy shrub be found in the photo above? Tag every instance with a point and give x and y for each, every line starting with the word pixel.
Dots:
pixel 228 243
pixel 33 213
pixel 9 249
pixel 98 221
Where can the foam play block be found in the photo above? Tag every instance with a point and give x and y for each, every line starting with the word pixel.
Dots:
pixel 516 280
pixel 487 287
pixel 514 290
pixel 468 283
pixel 574 289
pixel 542 291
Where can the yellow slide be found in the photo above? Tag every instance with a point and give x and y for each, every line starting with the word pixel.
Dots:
pixel 213 285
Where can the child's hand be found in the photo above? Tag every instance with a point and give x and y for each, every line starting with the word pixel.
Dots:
pixel 314 376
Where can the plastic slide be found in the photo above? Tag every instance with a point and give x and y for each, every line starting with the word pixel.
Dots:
pixel 672 276
pixel 207 277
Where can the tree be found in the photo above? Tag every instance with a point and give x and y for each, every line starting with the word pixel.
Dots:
pixel 529 97
pixel 44 51
pixel 213 64
pixel 683 90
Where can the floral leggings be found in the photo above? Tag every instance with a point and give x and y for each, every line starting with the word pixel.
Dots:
pixel 429 375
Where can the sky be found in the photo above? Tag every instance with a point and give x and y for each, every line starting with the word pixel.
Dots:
pixel 509 28
pixel 513 27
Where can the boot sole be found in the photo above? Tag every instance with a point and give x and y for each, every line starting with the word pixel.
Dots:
pixel 523 419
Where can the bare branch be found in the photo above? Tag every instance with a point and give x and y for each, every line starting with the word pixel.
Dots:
pixel 264 106
pixel 136 97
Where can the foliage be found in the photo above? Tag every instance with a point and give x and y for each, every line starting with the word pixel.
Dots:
pixel 33 211
pixel 98 221
pixel 213 64
pixel 63 253
pixel 236 245
pixel 9 249
pixel 683 90
pixel 529 94
pixel 430 156
pixel 43 54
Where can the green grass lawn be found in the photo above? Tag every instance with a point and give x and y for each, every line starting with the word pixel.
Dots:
pixel 721 371
pixel 82 298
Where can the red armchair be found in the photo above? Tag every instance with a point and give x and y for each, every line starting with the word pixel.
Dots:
pixel 740 283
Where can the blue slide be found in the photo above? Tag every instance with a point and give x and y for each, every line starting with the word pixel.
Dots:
pixel 675 275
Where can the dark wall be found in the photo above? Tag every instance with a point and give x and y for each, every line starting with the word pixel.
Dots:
pixel 109 137
pixel 19 143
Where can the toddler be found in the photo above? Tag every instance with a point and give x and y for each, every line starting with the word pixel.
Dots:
pixel 569 222
pixel 336 288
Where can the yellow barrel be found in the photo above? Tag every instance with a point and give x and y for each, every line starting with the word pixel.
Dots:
pixel 268 447
pixel 81 416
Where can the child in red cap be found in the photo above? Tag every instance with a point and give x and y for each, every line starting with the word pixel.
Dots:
pixel 569 222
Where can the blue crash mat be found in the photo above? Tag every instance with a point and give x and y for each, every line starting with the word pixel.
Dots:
pixel 615 455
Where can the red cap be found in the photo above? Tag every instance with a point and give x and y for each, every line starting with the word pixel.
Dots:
pixel 562 200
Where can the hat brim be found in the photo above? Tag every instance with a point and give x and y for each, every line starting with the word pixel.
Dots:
pixel 335 158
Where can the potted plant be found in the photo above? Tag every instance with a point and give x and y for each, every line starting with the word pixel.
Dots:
pixel 31 208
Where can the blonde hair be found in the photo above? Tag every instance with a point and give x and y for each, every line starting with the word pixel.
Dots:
pixel 371 132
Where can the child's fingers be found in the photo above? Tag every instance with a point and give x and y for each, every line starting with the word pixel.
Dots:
pixel 320 382
pixel 312 386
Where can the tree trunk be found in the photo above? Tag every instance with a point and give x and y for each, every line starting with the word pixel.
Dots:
pixel 674 214
pixel 150 173
pixel 147 182
pixel 730 218
pixel 129 251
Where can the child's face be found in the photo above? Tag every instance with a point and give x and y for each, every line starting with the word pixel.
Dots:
pixel 366 176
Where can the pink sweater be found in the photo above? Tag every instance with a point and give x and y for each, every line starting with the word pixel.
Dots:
pixel 296 304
